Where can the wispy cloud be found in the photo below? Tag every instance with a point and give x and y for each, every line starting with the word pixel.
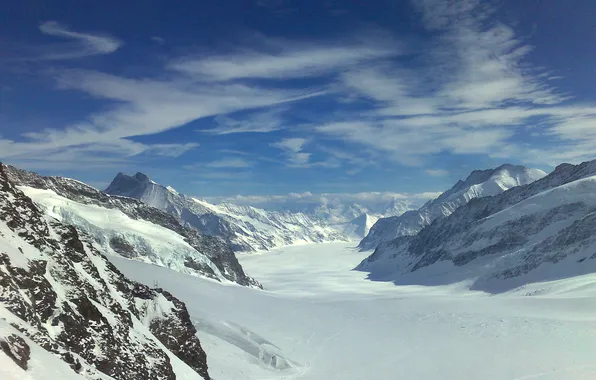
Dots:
pixel 158 40
pixel 81 45
pixel 469 90
pixel 373 200
pixel 281 59
pixel 144 106
pixel 257 122
pixel 293 150
pixel 472 91
pixel 229 163
pixel 436 172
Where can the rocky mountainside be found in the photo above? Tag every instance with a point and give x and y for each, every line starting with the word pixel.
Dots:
pixel 480 183
pixel 127 227
pixel 245 228
pixel 66 312
pixel 537 232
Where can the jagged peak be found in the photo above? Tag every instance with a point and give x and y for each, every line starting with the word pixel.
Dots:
pixel 142 177
pixel 563 167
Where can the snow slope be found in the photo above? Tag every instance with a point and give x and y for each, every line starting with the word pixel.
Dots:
pixel 157 245
pixel 127 227
pixel 59 293
pixel 324 321
pixel 245 228
pixel 357 228
pixel 41 365
pixel 543 231
pixel 480 183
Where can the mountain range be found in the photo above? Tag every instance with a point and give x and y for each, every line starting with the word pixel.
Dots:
pixel 127 227
pixel 67 313
pixel 244 228
pixel 480 183
pixel 65 305
pixel 540 231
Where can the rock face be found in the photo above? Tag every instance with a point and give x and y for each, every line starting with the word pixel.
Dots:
pixel 480 183
pixel 244 228
pixel 59 292
pixel 130 228
pixel 17 349
pixel 543 231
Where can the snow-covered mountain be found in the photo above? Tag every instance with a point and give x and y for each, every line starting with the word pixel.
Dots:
pixel 358 227
pixel 352 218
pixel 245 228
pixel 334 210
pixel 537 232
pixel 67 313
pixel 126 227
pixel 480 183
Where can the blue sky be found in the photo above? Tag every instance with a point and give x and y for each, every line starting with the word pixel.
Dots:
pixel 262 97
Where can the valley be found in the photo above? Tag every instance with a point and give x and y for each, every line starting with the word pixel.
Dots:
pixel 318 319
pixel 297 190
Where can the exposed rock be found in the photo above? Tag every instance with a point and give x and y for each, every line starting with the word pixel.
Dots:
pixel 480 183
pixel 206 248
pixel 17 349
pixel 53 275
pixel 244 228
pixel 503 237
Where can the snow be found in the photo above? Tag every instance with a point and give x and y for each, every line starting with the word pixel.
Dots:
pixel 157 244
pixel 480 183
pixel 42 365
pixel 245 228
pixel 581 190
pixel 319 320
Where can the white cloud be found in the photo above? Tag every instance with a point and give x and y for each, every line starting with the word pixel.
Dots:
pixel 256 122
pixel 471 91
pixel 393 89
pixel 229 163
pixel 158 40
pixel 292 148
pixel 144 106
pixel 436 172
pixel 82 45
pixel 281 59
pixel 372 200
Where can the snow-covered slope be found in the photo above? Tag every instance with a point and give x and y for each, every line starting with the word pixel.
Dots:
pixel 538 232
pixel 245 228
pixel 325 321
pixel 480 183
pixel 358 227
pixel 336 211
pixel 127 227
pixel 66 312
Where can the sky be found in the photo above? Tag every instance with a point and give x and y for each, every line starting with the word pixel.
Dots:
pixel 270 97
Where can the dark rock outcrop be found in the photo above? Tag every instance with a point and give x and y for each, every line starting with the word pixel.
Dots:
pixel 100 320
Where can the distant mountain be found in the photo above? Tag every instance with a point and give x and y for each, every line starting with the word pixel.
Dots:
pixel 357 227
pixel 537 232
pixel 336 211
pixel 65 310
pixel 480 183
pixel 245 228
pixel 351 214
pixel 129 228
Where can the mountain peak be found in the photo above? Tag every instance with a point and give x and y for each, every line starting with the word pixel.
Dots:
pixel 480 183
pixel 141 177
pixel 129 186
